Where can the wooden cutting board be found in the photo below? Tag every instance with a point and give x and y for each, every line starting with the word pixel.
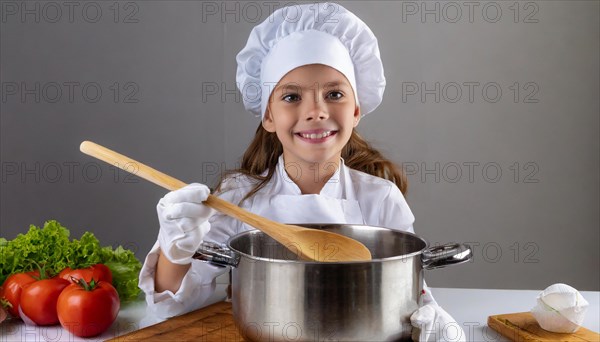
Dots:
pixel 523 327
pixel 215 323
pixel 212 323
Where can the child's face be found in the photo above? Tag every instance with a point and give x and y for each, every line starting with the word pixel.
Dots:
pixel 312 110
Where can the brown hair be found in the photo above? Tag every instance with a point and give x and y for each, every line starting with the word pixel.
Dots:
pixel 263 153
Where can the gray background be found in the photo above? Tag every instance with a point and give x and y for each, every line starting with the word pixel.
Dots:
pixel 534 224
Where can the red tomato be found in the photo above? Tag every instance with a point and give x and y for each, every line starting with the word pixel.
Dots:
pixel 38 300
pixel 88 312
pixel 13 285
pixel 103 273
pixel 64 273
pixel 98 272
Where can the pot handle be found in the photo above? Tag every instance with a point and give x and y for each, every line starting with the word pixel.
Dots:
pixel 444 255
pixel 217 255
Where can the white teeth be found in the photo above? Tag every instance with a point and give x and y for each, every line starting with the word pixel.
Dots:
pixel 316 136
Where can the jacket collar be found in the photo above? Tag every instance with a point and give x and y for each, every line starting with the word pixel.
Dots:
pixel 285 185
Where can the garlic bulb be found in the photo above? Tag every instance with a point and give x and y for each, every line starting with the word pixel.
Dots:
pixel 560 308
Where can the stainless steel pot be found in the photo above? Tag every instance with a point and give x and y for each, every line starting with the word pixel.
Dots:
pixel 277 297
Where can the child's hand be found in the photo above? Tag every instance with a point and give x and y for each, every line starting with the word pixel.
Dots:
pixel 183 222
pixel 432 323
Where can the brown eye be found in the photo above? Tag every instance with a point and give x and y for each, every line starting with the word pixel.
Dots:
pixel 335 95
pixel 291 98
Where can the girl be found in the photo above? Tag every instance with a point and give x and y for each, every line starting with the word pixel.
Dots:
pixel 310 78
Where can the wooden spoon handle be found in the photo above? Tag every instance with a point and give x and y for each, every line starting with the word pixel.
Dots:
pixel 148 173
pixel 130 165
pixel 272 228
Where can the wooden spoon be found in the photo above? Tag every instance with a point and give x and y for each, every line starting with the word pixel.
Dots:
pixel 308 244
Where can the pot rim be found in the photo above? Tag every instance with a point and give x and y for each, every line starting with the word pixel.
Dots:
pixel 325 225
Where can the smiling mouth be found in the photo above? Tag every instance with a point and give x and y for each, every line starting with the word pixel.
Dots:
pixel 316 136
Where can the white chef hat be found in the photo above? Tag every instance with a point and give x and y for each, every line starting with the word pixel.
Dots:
pixel 317 33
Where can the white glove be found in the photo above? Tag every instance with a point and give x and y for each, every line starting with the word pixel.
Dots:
pixel 432 323
pixel 183 222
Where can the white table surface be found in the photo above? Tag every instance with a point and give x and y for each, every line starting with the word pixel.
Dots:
pixel 470 307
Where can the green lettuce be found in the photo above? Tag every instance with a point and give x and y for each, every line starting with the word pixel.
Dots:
pixel 52 247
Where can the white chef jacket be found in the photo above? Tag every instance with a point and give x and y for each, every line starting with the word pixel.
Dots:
pixel 349 197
